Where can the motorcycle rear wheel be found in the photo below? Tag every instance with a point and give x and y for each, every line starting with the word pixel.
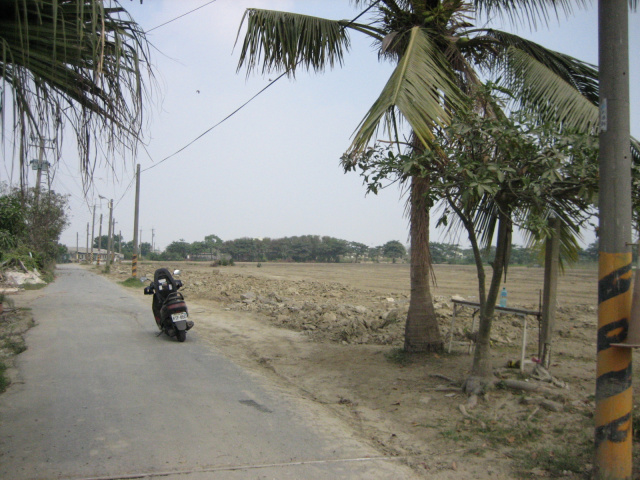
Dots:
pixel 181 335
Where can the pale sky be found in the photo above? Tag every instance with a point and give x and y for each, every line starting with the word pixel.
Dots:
pixel 272 170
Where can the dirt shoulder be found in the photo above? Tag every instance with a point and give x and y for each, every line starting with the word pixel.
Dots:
pixel 332 333
pixel 15 320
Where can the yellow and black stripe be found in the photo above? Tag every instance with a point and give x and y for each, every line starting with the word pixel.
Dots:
pixel 613 434
pixel 134 266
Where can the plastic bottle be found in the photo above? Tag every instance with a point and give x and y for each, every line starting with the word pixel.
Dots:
pixel 503 297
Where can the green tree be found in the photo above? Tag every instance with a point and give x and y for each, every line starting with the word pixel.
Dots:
pixel 358 250
pixel 331 249
pixel 32 223
pixel 394 250
pixel 104 241
pixel 175 250
pixel 439 53
pixel 77 63
pixel 498 172
pixel 12 222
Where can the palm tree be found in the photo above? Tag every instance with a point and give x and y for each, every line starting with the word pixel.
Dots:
pixel 77 63
pixel 440 58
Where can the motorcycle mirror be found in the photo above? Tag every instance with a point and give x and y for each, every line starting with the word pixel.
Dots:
pixel 176 272
pixel 143 279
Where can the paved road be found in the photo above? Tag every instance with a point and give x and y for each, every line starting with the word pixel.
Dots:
pixel 104 397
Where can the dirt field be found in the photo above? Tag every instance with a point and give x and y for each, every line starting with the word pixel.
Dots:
pixel 333 332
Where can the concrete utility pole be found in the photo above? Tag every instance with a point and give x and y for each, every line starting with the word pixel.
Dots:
pixel 77 247
pixel 86 252
pixel 614 402
pixel 134 257
pixel 99 241
pixel 93 233
pixel 110 230
pixel 153 236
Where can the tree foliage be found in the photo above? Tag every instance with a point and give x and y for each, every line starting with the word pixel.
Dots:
pixel 31 223
pixel 494 173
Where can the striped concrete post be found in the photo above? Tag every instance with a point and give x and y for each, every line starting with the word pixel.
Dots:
pixel 613 434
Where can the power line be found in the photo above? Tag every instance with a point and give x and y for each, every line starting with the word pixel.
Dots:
pixel 248 101
pixel 180 16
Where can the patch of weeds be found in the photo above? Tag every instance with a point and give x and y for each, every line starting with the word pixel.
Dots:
pixel 4 381
pixel 456 435
pixel 557 461
pixel 477 451
pixel 398 356
pixel 34 286
pixel 636 425
pixel 499 433
pixel 131 282
pixel 15 344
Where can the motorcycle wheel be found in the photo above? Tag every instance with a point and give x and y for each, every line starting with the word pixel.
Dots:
pixel 181 335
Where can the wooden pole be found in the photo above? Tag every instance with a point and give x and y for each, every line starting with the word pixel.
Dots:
pixel 551 261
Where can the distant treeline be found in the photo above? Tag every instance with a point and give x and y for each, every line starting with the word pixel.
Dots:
pixel 306 248
pixel 315 248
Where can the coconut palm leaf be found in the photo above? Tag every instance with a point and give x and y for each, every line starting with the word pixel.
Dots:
pixel 280 41
pixel 556 87
pixel 533 12
pixel 416 89
pixel 77 62
pixel 580 75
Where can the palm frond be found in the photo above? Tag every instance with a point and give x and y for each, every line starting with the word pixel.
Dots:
pixel 531 12
pixel 580 75
pixel 635 150
pixel 557 87
pixel 78 62
pixel 416 89
pixel 280 41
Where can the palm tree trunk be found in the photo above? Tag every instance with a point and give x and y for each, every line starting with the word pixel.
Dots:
pixel 422 333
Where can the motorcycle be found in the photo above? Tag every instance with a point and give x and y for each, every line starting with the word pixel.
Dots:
pixel 168 305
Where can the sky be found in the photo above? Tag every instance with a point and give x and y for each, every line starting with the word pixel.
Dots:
pixel 271 170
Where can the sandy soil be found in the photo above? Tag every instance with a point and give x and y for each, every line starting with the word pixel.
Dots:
pixel 332 333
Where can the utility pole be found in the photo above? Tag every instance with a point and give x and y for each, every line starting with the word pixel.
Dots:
pixel 86 252
pixel 39 165
pixel 119 242
pixel 110 230
pixel 39 175
pixel 134 257
pixel 614 393
pixel 77 247
pixel 153 236
pixel 99 241
pixel 93 233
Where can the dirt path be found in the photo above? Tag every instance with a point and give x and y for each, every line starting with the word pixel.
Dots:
pixel 332 333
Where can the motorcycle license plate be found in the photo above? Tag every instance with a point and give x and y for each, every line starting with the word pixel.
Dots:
pixel 177 317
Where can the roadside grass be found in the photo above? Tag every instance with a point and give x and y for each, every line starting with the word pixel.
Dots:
pixel 15 344
pixel 13 325
pixel 398 356
pixel 4 381
pixel 534 451
pixel 131 282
